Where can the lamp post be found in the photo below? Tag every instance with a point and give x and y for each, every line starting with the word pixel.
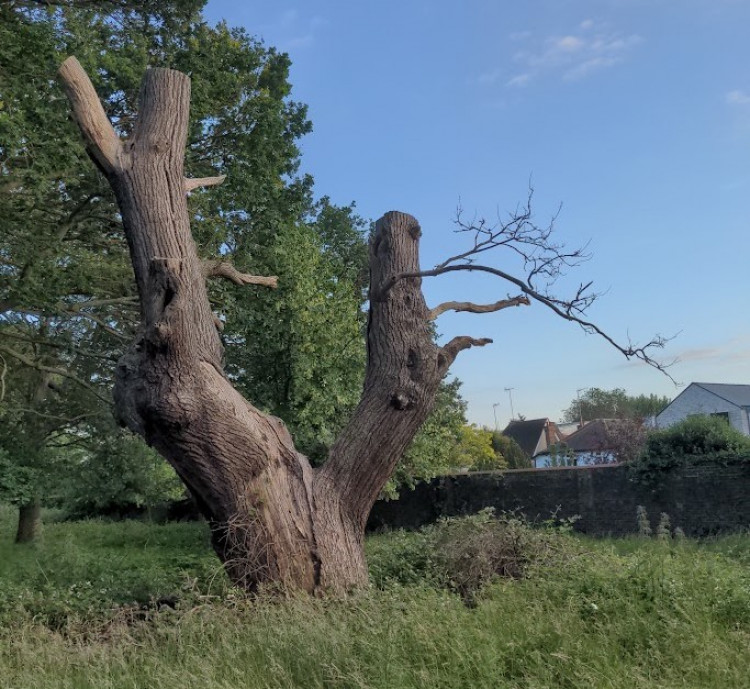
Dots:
pixel 580 404
pixel 510 396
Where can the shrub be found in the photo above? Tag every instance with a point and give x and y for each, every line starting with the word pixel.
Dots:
pixel 695 438
pixel 510 451
pixel 463 554
pixel 474 451
pixel 402 557
pixel 644 524
pixel 696 435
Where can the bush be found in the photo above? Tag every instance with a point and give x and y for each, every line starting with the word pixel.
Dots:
pixel 510 451
pixel 696 435
pixel 695 438
pixel 463 554
pixel 471 552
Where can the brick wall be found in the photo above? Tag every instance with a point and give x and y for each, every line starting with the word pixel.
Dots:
pixel 702 498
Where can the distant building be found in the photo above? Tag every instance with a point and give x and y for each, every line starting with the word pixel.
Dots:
pixel 729 401
pixel 534 436
pixel 594 443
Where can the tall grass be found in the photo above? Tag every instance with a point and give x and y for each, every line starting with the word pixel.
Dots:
pixel 630 614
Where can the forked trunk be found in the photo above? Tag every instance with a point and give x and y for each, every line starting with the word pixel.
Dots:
pixel 275 520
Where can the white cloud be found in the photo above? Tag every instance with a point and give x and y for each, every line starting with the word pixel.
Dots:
pixel 738 97
pixel 519 80
pixel 300 31
pixel 568 44
pixel 520 35
pixel 570 56
pixel 585 68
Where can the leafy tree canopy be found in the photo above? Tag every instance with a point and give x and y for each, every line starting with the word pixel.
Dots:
pixel 475 451
pixel 67 297
pixel 596 403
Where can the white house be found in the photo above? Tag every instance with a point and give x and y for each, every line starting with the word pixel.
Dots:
pixel 710 399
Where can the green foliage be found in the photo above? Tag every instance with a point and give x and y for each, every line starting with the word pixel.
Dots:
pixel 431 452
pixel 626 614
pixel 403 558
pixel 463 554
pixel 560 455
pixel 67 297
pixel 300 350
pixel 475 451
pixel 473 551
pixel 16 481
pixel 643 522
pixel 30 421
pixel 664 528
pixel 697 438
pixel 79 572
pixel 596 403
pixel 510 451
pixel 696 435
pixel 118 473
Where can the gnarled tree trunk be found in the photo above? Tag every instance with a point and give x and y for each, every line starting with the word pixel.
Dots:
pixel 274 519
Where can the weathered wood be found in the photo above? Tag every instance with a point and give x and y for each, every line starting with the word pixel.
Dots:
pixel 196 182
pixel 275 520
pixel 470 307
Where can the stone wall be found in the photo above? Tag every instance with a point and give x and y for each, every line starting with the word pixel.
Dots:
pixel 701 499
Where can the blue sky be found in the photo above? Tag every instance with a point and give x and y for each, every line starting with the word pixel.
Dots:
pixel 634 114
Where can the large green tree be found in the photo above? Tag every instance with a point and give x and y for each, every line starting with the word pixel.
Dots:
pixel 596 403
pixel 67 298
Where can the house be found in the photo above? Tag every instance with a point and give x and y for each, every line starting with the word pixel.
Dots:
pixel 710 399
pixel 593 443
pixel 534 436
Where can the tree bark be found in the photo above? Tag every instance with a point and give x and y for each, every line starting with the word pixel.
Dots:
pixel 274 519
pixel 29 521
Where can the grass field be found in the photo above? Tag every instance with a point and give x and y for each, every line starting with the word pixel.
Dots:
pixel 137 605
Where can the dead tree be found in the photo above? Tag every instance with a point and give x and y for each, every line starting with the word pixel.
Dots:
pixel 274 519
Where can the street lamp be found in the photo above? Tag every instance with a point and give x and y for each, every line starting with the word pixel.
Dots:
pixel 510 396
pixel 580 404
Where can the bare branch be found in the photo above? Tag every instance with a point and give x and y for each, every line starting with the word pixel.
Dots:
pixel 564 309
pixel 101 139
pixel 75 307
pixel 224 269
pixel 468 306
pixel 55 371
pixel 194 183
pixel 543 261
pixel 57 345
pixel 541 256
pixel 102 324
pixel 458 344
pixel 71 420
